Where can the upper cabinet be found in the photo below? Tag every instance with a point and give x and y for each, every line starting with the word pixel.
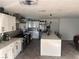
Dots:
pixel 11 23
pixel 7 23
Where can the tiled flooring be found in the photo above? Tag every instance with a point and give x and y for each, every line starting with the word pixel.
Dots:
pixel 33 51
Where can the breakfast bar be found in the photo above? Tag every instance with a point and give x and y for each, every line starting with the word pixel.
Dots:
pixel 50 45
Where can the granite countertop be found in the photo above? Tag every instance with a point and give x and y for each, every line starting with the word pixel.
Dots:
pixel 51 36
pixel 6 43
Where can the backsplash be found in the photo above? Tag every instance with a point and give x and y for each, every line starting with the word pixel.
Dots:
pixel 12 33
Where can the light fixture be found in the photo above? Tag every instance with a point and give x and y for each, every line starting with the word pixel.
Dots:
pixel 50 14
pixel 29 2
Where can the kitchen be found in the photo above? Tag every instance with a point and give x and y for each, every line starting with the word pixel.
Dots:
pixel 30 30
pixel 35 31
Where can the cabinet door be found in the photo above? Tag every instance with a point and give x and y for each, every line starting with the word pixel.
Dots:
pixel 15 50
pixel 19 46
pixel 14 24
pixel 5 23
pixel 8 54
pixel 2 54
pixel 1 19
pixel 9 51
pixel 5 53
pixel 9 23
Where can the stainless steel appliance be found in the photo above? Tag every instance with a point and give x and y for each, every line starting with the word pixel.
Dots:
pixel 6 37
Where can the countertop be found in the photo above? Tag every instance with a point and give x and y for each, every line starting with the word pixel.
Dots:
pixel 6 43
pixel 51 36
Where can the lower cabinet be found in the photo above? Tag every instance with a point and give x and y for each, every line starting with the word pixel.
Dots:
pixel 11 51
pixel 18 47
pixel 6 53
pixel 2 54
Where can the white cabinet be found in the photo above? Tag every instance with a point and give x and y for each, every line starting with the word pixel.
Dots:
pixel 19 44
pixel 2 28
pixel 12 23
pixel 2 54
pixel 8 52
pixel 5 53
pixel 18 47
pixel 7 23
pixel 11 51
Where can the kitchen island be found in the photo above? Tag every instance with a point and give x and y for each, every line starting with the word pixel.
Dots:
pixel 50 45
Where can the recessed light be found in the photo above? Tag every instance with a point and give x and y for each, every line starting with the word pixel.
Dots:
pixel 42 10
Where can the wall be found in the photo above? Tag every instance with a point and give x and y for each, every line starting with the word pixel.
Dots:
pixel 54 25
pixel 69 28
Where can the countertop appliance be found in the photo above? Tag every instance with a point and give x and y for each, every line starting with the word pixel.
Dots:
pixel 6 37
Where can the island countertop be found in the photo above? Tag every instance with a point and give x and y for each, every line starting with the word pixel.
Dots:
pixel 6 43
pixel 51 36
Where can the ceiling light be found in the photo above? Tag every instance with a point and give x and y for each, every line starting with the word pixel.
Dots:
pixel 29 2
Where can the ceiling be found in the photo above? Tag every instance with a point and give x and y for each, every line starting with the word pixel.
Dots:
pixel 58 8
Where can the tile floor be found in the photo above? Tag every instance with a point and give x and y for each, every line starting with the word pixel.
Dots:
pixel 33 51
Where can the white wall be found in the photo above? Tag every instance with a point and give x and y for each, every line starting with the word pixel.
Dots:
pixel 54 25
pixel 69 28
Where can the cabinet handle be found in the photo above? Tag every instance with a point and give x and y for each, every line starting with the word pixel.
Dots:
pixel 6 56
pixel 16 47
pixel 3 29
pixel 12 50
pixel 12 27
